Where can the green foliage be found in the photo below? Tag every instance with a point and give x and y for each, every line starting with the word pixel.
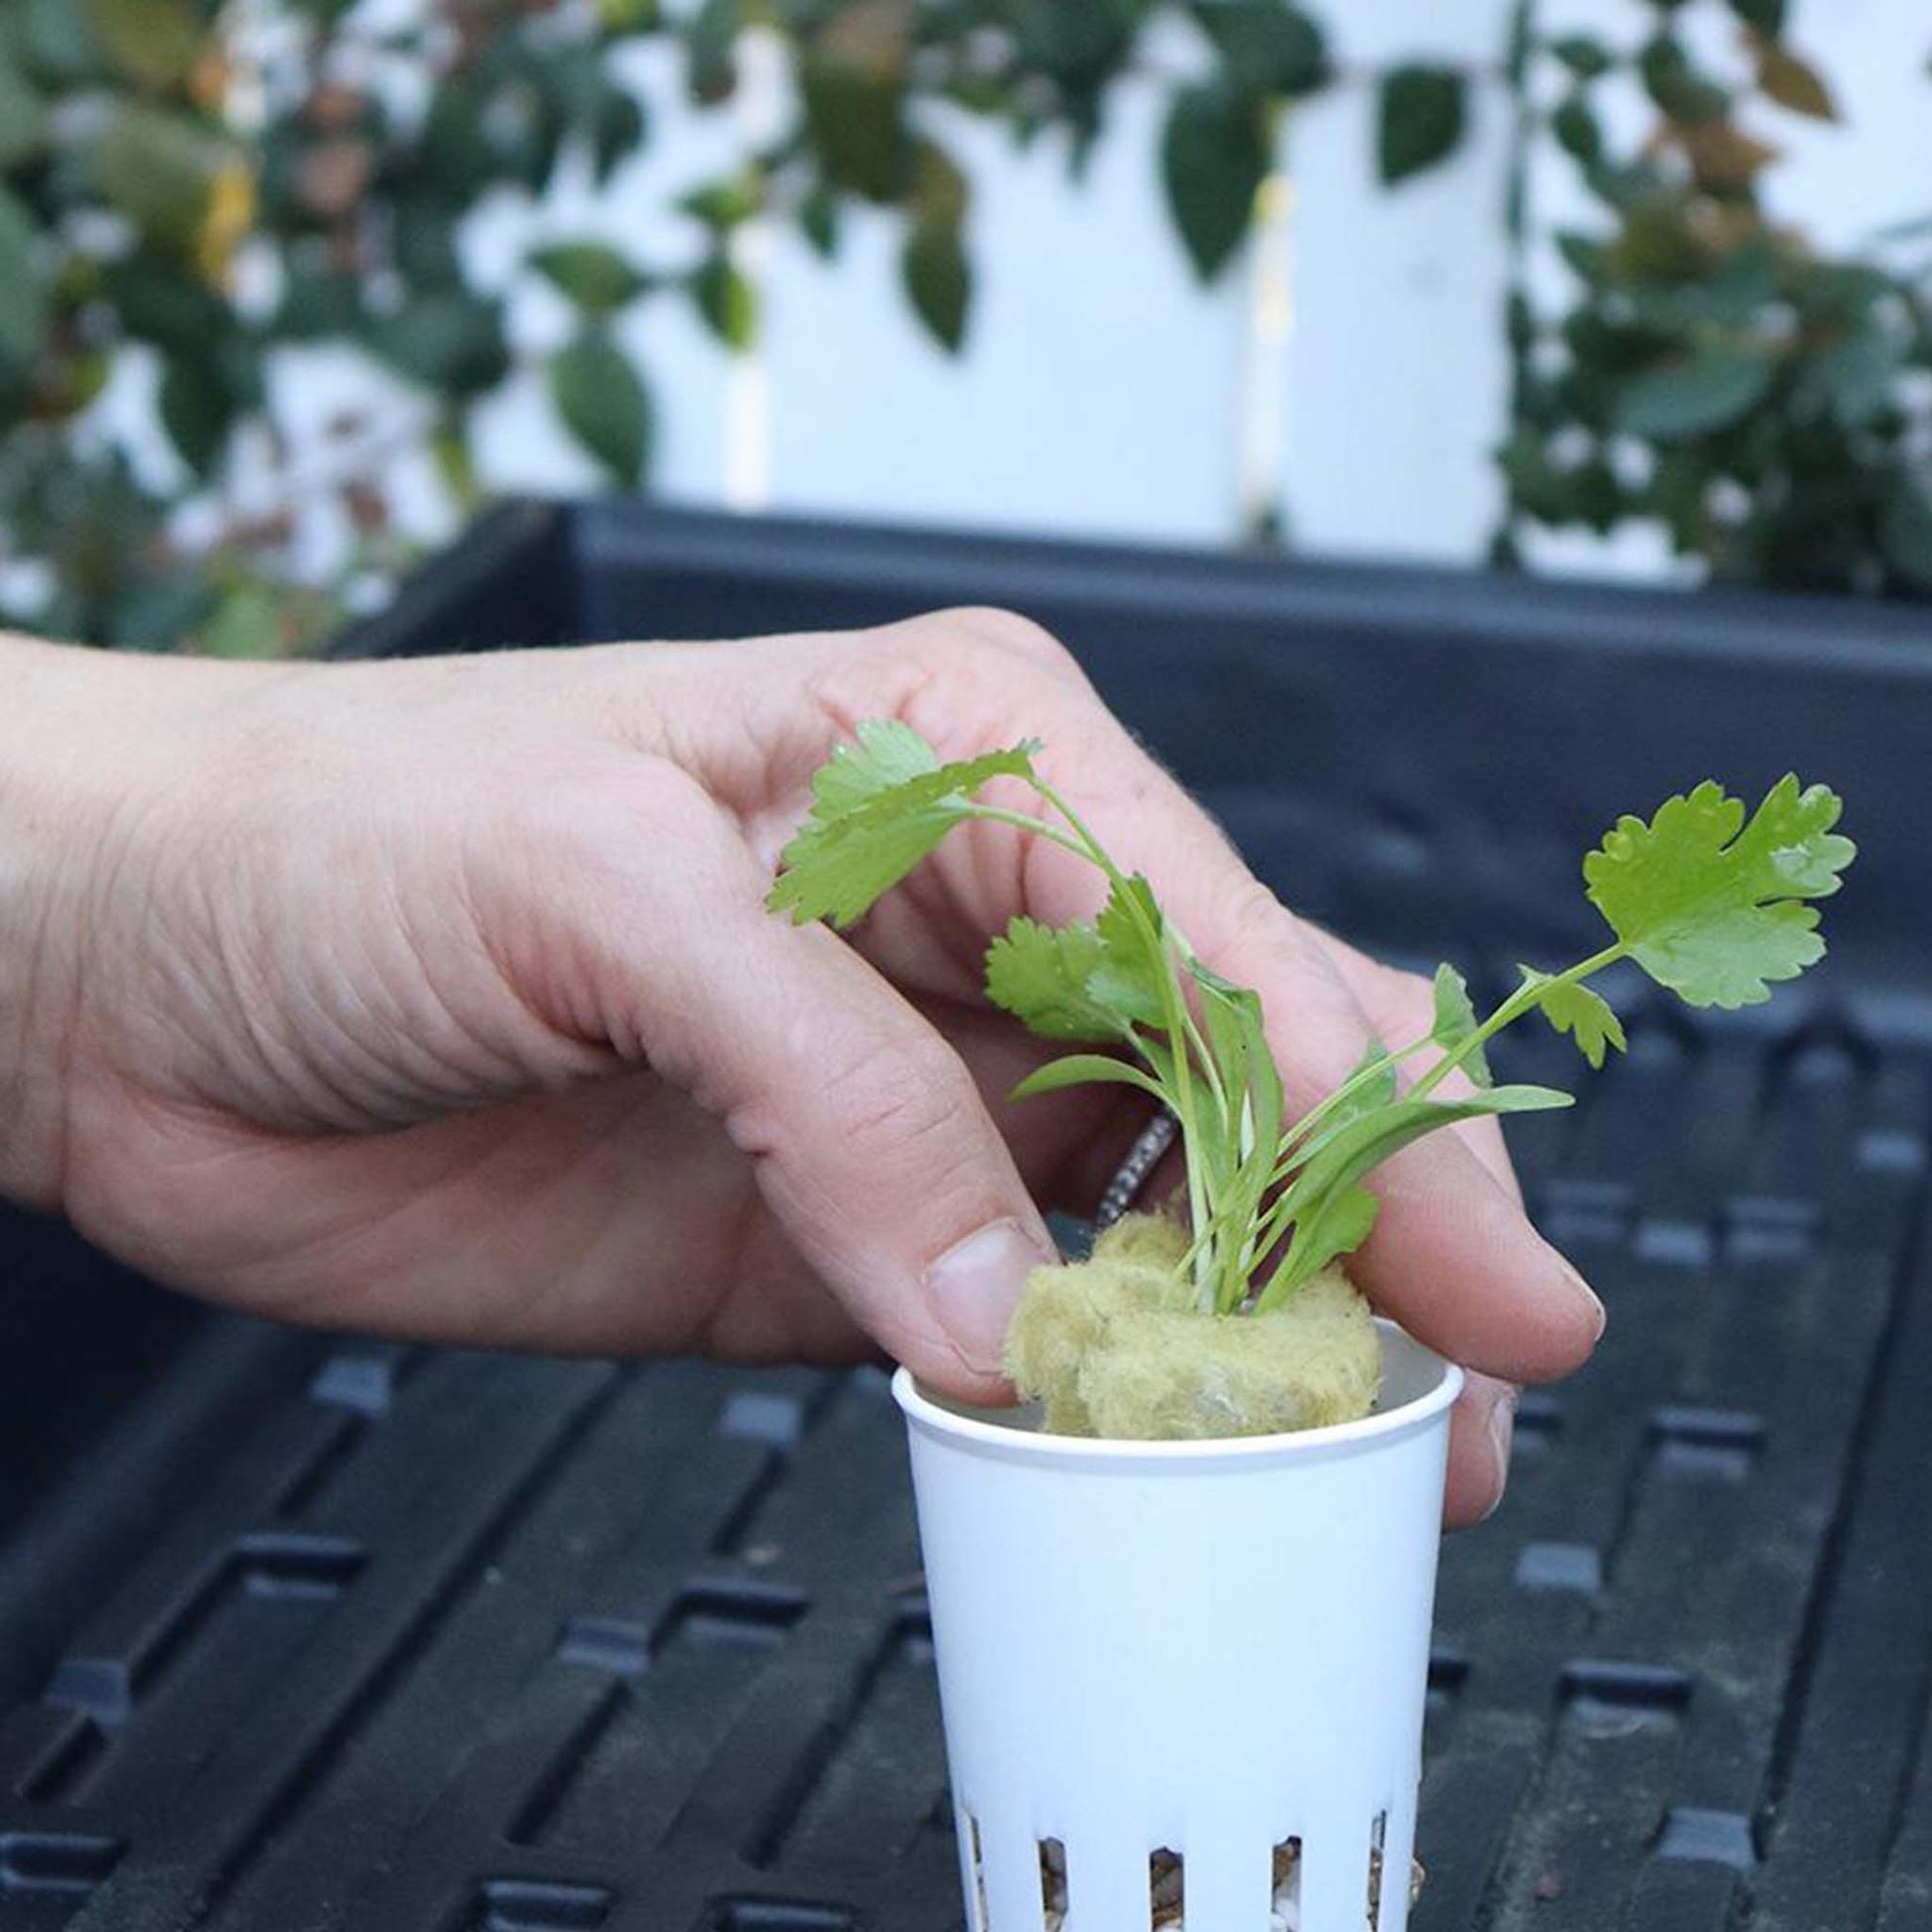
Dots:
pixel 1213 158
pixel 1711 904
pixel 1420 118
pixel 151 169
pixel 604 404
pixel 1714 373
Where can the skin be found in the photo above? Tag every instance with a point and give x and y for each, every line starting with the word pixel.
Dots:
pixel 438 999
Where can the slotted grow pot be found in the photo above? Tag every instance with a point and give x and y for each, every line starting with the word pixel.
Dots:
pixel 1210 1651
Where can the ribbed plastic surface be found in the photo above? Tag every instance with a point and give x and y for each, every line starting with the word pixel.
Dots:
pixel 305 1636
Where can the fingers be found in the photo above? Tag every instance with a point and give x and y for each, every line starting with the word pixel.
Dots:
pixel 868 1138
pixel 1481 1428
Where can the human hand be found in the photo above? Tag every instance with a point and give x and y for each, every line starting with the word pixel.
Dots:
pixel 438 998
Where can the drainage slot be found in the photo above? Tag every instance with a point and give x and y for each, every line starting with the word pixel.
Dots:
pixel 1052 1881
pixel 1167 1881
pixel 976 1857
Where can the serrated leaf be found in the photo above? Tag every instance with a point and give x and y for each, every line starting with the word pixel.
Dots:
pixel 1084 1069
pixel 1040 973
pixel 1709 390
pixel 938 280
pixel 878 807
pixel 1574 1009
pixel 591 274
pixel 1421 116
pixel 1133 968
pixel 1213 158
pixel 1455 1022
pixel 604 404
pixel 1713 905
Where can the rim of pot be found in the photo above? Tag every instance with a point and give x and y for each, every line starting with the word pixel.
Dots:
pixel 968 1423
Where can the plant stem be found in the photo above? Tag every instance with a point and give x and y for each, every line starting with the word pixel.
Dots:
pixel 1526 996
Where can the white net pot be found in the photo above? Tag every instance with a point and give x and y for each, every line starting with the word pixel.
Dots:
pixel 1216 1650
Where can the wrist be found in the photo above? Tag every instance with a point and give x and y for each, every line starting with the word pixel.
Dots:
pixel 86 739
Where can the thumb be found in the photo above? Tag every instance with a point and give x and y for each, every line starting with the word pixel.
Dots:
pixel 871 1144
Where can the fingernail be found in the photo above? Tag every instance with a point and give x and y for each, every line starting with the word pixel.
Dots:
pixel 1502 1431
pixel 976 1283
pixel 1587 1296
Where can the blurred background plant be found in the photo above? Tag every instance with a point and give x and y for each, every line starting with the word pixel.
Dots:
pixel 193 195
pixel 1767 403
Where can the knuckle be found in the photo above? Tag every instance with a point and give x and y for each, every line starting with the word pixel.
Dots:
pixel 1007 635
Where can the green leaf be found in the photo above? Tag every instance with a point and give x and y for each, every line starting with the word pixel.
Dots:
pixel 55 44
pixel 1040 973
pixel 1709 390
pixel 1577 130
pixel 1268 45
pixel 154 42
pixel 1794 83
pixel 1084 1069
pixel 854 122
pixel 726 300
pixel 1213 158
pixel 1859 370
pixel 604 404
pixel 248 622
pixel 1455 1022
pixel 879 806
pixel 710 43
pixel 196 409
pixel 1133 970
pixel 23 303
pixel 1238 1033
pixel 1422 113
pixel 938 280
pixel 23 114
pixel 591 274
pixel 1336 1225
pixel 1767 16
pixel 158 168
pixel 617 132
pixel 1573 1008
pixel 1682 93
pixel 727 203
pixel 819 222
pixel 1583 55
pixel 447 340
pixel 1712 905
pixel 1343 1154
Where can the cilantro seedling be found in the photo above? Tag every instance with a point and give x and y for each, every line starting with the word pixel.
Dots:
pixel 1711 902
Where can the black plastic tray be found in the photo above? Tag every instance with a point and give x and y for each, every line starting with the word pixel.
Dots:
pixel 300 1635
